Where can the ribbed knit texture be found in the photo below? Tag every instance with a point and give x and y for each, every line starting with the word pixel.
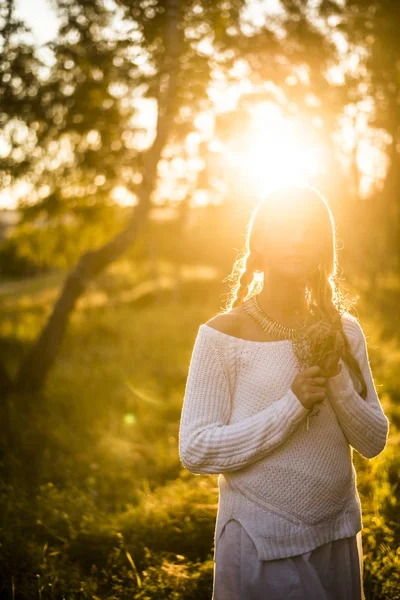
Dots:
pixel 291 489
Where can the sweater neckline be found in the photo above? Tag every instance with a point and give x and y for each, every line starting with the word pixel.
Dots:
pixel 244 341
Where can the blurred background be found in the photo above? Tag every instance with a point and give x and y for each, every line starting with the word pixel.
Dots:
pixel 136 137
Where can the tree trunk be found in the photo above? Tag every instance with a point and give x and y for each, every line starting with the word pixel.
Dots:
pixel 38 361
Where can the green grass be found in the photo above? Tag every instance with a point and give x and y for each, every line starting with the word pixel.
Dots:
pixel 116 515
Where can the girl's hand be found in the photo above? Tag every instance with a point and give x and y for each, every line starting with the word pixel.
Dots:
pixel 310 386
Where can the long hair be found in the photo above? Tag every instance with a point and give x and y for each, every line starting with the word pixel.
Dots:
pixel 322 291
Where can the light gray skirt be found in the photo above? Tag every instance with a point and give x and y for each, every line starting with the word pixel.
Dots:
pixel 330 572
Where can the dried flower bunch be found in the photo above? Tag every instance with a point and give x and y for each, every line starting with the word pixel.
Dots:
pixel 319 342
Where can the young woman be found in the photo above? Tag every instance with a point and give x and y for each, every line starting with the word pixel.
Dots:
pixel 289 511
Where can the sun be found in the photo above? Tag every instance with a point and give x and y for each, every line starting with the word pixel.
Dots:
pixel 275 154
pixel 272 151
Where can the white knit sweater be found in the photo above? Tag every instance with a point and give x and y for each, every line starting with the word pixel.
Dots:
pixel 291 489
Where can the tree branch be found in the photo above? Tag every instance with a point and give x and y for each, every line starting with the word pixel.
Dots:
pixel 38 361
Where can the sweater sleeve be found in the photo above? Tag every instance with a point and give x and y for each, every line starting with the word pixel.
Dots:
pixel 363 421
pixel 207 442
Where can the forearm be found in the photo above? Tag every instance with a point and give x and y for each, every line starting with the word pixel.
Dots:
pixel 363 421
pixel 216 447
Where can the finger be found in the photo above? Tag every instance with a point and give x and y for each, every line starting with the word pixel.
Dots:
pixel 316 390
pixel 315 371
pixel 318 381
pixel 317 401
pixel 317 396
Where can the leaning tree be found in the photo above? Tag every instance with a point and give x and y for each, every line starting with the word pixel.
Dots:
pixel 75 108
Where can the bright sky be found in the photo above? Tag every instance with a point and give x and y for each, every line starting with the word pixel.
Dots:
pixel 271 139
pixel 40 17
pixel 43 21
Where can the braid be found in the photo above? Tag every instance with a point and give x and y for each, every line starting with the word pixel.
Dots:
pixel 242 277
pixel 244 284
pixel 333 308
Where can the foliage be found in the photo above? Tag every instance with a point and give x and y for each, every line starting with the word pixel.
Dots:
pixel 115 514
pixel 97 505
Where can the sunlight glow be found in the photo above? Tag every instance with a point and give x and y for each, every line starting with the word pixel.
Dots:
pixel 129 419
pixel 11 196
pixel 41 17
pixel 123 197
pixel 271 151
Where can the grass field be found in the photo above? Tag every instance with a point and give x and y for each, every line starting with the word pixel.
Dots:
pixel 116 516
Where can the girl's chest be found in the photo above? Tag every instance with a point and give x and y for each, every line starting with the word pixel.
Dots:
pixel 261 379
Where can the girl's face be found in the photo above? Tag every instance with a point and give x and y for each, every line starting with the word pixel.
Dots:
pixel 294 243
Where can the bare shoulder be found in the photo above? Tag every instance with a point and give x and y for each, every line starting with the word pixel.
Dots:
pixel 228 322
